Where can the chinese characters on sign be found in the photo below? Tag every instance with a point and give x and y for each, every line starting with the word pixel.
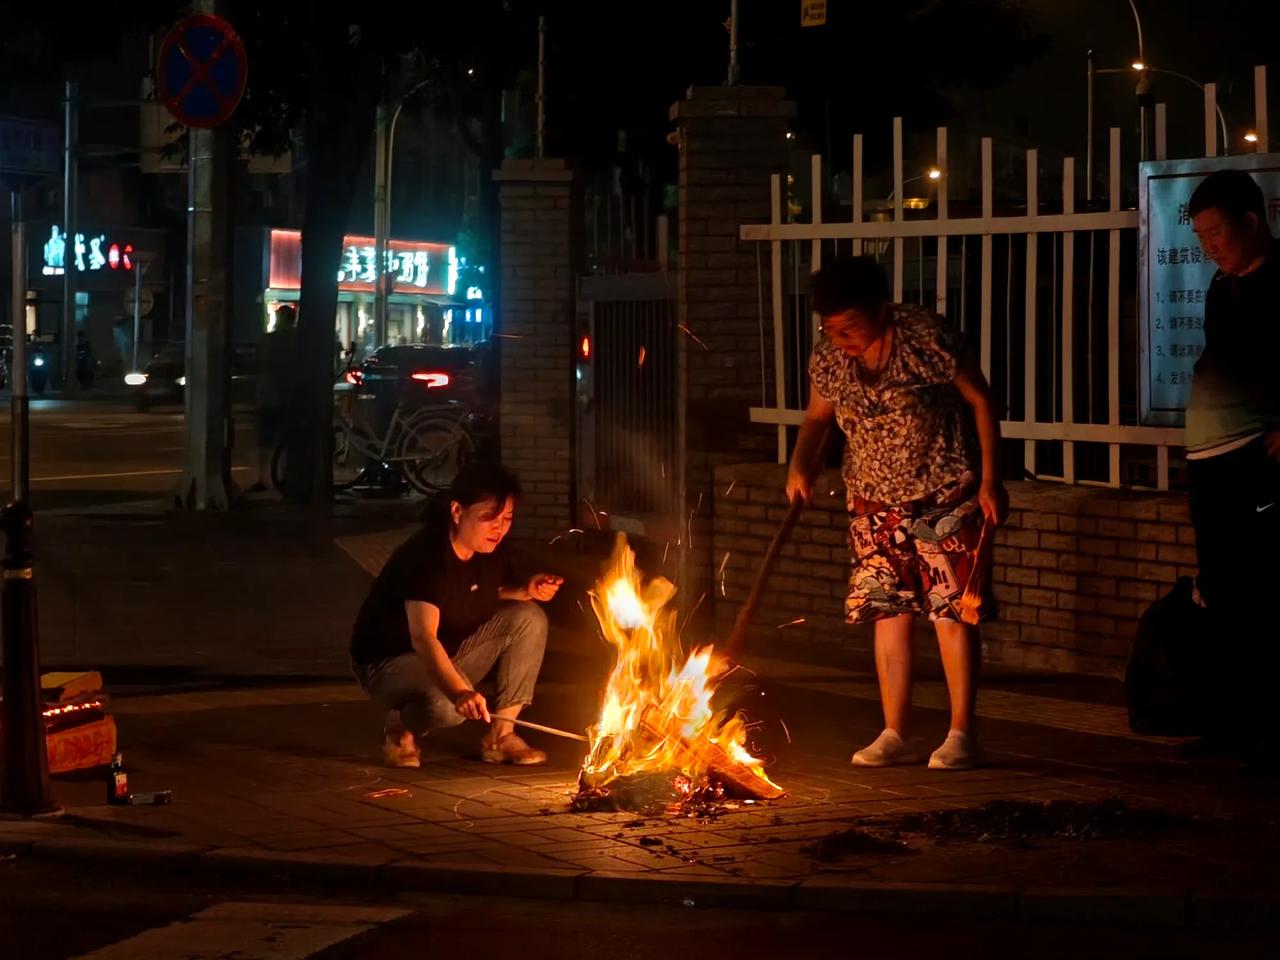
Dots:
pixel 412 268
pixel 431 268
pixel 91 253
pixel 813 13
pixel 1175 278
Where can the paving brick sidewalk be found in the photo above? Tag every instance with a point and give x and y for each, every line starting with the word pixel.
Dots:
pixel 279 778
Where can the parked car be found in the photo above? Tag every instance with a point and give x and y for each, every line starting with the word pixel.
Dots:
pixel 163 379
pixel 456 379
pixel 427 375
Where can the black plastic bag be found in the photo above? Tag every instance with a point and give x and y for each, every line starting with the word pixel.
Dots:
pixel 1169 682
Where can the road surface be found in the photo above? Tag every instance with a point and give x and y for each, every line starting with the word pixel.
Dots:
pixel 86 453
pixel 50 912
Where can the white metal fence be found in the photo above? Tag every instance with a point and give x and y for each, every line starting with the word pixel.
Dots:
pixel 1047 296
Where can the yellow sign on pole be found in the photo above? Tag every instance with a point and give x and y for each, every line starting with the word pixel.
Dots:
pixel 813 13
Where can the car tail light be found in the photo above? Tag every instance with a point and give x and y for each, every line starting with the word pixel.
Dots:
pixel 432 378
pixel 353 377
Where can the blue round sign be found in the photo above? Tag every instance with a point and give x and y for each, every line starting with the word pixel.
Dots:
pixel 201 71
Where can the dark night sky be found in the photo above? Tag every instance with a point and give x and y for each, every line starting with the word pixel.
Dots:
pixel 1217 41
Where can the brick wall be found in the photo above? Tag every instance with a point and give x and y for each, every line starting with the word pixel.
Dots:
pixel 535 339
pixel 1074 568
pixel 731 140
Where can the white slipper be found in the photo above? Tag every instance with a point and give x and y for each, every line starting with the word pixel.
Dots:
pixel 958 752
pixel 888 750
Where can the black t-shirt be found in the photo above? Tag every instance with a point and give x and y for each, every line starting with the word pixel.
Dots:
pixel 425 567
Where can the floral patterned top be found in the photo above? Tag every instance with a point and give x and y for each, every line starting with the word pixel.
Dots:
pixel 909 431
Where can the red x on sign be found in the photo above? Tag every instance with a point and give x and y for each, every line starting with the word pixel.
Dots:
pixel 201 71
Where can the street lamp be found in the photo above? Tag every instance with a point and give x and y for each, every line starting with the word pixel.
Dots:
pixel 1222 120
pixel 933 174
pixel 386 134
pixel 1142 69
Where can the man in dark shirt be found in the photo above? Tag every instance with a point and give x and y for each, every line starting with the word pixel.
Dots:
pixel 443 612
pixel 1233 453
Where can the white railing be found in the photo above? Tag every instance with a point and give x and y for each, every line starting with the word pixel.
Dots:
pixel 1057 357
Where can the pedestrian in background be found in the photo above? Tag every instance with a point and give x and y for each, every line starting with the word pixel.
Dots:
pixel 274 364
pixel 1233 461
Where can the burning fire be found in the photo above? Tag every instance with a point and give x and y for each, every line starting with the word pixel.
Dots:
pixel 657 715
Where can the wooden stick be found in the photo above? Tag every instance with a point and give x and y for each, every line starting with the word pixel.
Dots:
pixel 714 758
pixel 743 622
pixel 541 729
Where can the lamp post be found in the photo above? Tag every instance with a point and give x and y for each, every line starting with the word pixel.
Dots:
pixel 1142 69
pixel 1222 120
pixel 385 165
pixel 933 175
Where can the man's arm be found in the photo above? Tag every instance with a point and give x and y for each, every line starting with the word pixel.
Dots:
pixel 811 443
pixel 974 389
pixel 424 621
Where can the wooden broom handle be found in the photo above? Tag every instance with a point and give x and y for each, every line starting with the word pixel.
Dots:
pixel 748 611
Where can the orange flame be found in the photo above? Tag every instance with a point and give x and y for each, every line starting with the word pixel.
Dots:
pixel 657 714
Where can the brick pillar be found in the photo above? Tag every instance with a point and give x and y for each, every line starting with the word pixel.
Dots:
pixel 731 140
pixel 535 346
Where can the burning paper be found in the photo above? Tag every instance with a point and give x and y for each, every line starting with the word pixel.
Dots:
pixel 657 716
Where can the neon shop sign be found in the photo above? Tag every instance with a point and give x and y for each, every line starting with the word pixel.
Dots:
pixel 91 253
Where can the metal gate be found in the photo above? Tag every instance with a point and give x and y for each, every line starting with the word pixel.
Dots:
pixel 628 389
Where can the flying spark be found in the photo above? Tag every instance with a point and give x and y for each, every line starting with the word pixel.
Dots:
pixel 690 334
pixel 791 623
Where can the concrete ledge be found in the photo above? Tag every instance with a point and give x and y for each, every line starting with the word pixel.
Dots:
pixel 16 843
pixel 303 866
pixel 1223 909
pixel 548 883
pixel 621 887
pixel 85 849
pixel 1165 908
pixel 846 894
pixel 1236 909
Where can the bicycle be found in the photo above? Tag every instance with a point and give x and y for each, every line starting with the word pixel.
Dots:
pixel 427 447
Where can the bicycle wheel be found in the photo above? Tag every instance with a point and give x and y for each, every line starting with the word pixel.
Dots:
pixel 278 461
pixel 349 463
pixel 432 451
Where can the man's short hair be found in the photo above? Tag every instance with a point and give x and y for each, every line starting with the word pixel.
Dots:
pixel 849 283
pixel 1233 192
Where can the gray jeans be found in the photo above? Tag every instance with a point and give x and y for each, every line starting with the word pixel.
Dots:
pixel 514 638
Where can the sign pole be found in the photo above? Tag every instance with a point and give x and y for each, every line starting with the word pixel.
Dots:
pixel 24 790
pixel 18 398
pixel 70 212
pixel 206 481
pixel 381 163
pixel 201 72
pixel 137 308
